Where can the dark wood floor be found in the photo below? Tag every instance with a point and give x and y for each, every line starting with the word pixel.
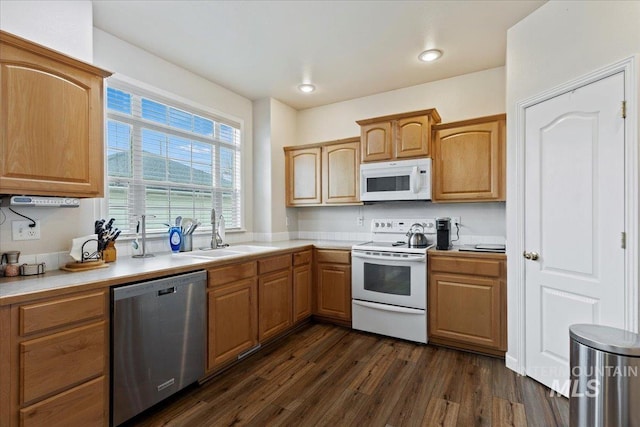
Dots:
pixel 325 375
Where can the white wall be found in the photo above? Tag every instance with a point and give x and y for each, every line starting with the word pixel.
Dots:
pixel 458 98
pixel 66 26
pixel 283 133
pixel 463 97
pixel 262 165
pixel 274 128
pixel 560 41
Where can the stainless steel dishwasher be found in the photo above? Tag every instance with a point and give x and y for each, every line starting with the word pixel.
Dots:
pixel 158 341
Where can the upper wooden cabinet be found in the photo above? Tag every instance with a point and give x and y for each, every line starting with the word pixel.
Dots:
pixel 303 176
pixel 323 174
pixel 469 160
pixel 51 107
pixel 400 136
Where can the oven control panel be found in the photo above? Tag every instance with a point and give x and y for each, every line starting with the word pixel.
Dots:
pixel 402 225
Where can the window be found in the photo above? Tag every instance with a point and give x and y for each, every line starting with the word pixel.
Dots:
pixel 167 159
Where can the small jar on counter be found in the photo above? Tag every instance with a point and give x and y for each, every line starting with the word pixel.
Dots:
pixel 12 270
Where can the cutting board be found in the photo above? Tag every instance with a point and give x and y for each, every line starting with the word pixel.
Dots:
pixel 84 266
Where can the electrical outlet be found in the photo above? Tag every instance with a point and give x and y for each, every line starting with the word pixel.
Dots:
pixel 454 220
pixel 360 221
pixel 20 230
pixel 286 221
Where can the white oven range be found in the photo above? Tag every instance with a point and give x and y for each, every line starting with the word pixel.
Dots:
pixel 389 281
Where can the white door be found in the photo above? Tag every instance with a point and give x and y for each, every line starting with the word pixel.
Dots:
pixel 574 219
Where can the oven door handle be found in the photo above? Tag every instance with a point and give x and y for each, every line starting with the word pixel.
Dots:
pixel 387 307
pixel 410 258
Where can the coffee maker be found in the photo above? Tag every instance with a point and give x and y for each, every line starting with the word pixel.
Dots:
pixel 443 234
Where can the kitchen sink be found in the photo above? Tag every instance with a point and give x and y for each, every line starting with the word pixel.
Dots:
pixel 249 249
pixel 228 251
pixel 211 253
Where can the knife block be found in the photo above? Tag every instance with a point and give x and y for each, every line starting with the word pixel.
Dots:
pixel 109 254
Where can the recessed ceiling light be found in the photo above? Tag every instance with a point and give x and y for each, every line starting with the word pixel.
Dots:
pixel 430 55
pixel 306 88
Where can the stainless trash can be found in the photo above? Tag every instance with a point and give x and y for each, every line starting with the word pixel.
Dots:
pixel 605 377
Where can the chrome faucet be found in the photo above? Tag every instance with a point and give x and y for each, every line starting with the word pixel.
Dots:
pixel 216 240
pixel 143 224
pixel 214 231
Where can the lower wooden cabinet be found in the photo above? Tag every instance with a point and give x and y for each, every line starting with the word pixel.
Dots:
pixel 302 285
pixel 275 295
pixel 467 301
pixel 81 406
pixel 55 361
pixel 233 321
pixel 232 304
pixel 333 285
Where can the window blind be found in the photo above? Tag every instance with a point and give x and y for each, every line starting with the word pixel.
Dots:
pixel 168 159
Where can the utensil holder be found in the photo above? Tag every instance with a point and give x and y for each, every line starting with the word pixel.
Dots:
pixel 187 243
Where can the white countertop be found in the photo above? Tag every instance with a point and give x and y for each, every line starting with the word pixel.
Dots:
pixel 127 269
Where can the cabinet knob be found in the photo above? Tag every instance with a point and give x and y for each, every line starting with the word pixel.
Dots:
pixel 531 255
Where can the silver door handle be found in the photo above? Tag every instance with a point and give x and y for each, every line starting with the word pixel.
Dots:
pixel 533 256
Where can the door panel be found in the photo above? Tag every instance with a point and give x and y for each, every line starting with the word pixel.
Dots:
pixel 559 310
pixel 568 147
pixel 574 204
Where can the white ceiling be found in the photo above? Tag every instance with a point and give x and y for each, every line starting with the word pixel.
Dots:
pixel 348 49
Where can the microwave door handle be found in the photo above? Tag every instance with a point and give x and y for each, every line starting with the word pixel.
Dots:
pixel 415 180
pixel 416 258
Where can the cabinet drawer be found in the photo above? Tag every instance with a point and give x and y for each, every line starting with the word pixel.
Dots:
pixel 55 362
pixel 334 256
pixel 274 263
pixel 52 314
pixel 231 273
pixel 302 258
pixel 81 406
pixel 477 267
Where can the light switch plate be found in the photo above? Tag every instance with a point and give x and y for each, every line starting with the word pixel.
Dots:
pixel 20 230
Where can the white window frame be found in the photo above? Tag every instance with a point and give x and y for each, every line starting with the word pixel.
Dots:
pixel 225 118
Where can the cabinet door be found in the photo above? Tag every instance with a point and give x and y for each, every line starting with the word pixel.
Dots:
pixel 376 142
pixel 466 309
pixel 81 406
pixel 301 292
pixel 51 142
pixel 275 312
pixel 340 173
pixel 413 135
pixel 56 362
pixel 303 181
pixel 333 298
pixel 233 320
pixel 469 163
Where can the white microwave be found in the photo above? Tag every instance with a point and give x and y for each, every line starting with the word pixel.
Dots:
pixel 399 180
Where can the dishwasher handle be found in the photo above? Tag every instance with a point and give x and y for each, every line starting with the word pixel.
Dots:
pixel 171 290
